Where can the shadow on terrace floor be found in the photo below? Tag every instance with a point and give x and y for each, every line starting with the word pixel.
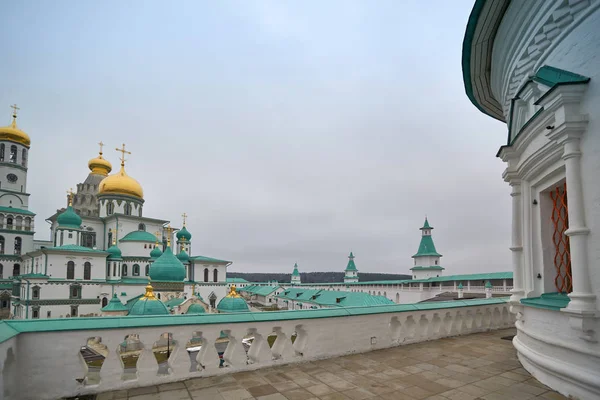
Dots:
pixel 479 366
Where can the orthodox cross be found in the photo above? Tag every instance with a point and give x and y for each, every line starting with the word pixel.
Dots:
pixel 184 215
pixel 15 110
pixel 101 146
pixel 70 195
pixel 123 152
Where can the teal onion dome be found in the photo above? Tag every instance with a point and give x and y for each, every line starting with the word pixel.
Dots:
pixel 167 268
pixel 69 219
pixel 148 304
pixel 183 235
pixel 114 253
pixel 232 303
pixel 183 257
pixel 196 309
pixel 155 253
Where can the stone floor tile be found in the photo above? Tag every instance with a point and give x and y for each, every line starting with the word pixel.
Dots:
pixel 466 378
pixel 115 395
pixel 274 396
pixel 334 396
pixel 236 394
pixel 320 389
pixel 142 390
pixel 457 394
pixel 397 384
pixel 171 386
pixel 525 387
pixel 553 396
pixel 177 394
pixel 398 395
pixel 206 393
pixel 147 396
pixel 418 392
pixel 394 372
pixel 298 394
pixel 327 377
pixel 359 394
pixel 256 381
pixel 473 390
pixel 411 369
pixel 516 394
pixel 262 390
pixel 285 386
pixel 514 376
pixel 451 383
pixel 302 382
pixel 436 397
pixel 342 385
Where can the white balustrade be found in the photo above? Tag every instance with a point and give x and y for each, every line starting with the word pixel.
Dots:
pixel 43 361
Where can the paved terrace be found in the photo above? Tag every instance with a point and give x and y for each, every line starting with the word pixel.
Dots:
pixel 477 366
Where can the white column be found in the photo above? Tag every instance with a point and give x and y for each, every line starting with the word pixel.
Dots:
pixel 582 298
pixel 517 242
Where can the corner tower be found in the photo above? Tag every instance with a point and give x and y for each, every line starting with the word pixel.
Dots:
pixel 296 276
pixel 427 259
pixel 351 273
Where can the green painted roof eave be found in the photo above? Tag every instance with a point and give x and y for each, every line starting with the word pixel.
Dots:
pixel 16 211
pixel 548 301
pixel 466 54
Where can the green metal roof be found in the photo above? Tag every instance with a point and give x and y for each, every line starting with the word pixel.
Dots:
pixel 551 76
pixel 146 306
pixel 426 224
pixel 208 259
pixel 11 328
pixel 139 236
pixel 426 247
pixel 232 305
pixel 447 278
pixel 236 280
pixel 183 256
pixel 549 301
pixel 33 276
pixel 351 266
pixel 75 248
pixel 16 211
pixel 115 305
pixel 260 290
pixel 174 302
pixel 195 309
pixel 69 219
pixel 433 267
pixel 296 273
pixel 334 298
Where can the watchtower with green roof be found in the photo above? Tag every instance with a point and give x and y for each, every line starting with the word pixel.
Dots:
pixel 427 259
pixel 351 273
pixel 296 276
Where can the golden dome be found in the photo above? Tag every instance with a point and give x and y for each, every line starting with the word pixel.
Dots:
pixel 121 183
pixel 99 165
pixel 14 134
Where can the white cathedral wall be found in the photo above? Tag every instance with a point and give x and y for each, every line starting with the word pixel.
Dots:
pixel 136 249
pixel 57 265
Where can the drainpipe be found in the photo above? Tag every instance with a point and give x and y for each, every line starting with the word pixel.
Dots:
pixel 27 300
pixel 45 264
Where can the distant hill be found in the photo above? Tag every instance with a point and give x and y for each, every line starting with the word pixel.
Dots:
pixel 314 277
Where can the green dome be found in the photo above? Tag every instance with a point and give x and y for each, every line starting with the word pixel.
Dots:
pixel 114 253
pixel 195 309
pixel 183 234
pixel 115 305
pixel 155 253
pixel 233 302
pixel 167 268
pixel 183 257
pixel 69 219
pixel 149 305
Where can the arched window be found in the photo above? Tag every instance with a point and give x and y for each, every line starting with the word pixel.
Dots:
pixel 70 270
pixel 110 208
pixel 205 274
pixel 147 269
pixel 17 245
pixel 13 154
pixel 35 293
pixel 87 271
pixel 124 270
pixel 75 291
pixel 1 271
pixel 16 270
pixel 2 152
pixel 109 240
pixel 127 209
pixel 141 227
pixel 114 269
pixel 9 223
pixel 104 302
pixel 135 270
pixel 24 158
pixel 2 242
pixel 215 275
pixel 107 270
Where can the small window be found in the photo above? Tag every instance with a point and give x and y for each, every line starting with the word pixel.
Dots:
pixel 110 208
pixel 215 275
pixel 73 311
pixel 49 314
pixel 74 292
pixel 70 270
pixel 141 227
pixel 35 294
pixel 70 235
pixel 135 270
pixel 124 270
pixel 24 158
pixel 13 154
pixel 35 314
pixel 104 302
pixel 87 271
pixel 127 209
pixel 147 270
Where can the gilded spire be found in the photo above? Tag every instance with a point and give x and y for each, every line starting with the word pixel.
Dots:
pixel 70 195
pixel 149 292
pixel 233 292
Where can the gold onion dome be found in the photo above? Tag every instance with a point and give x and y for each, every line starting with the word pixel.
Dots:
pixel 13 133
pixel 121 183
pixel 99 165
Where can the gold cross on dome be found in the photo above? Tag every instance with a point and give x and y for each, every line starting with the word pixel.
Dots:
pixel 184 215
pixel 157 234
pixel 70 195
pixel 123 152
pixel 101 146
pixel 15 110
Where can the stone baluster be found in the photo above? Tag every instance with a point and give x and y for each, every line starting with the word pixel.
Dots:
pixel 283 348
pixel 208 357
pixel 147 366
pixel 235 354
pixel 112 368
pixel 260 352
pixel 180 359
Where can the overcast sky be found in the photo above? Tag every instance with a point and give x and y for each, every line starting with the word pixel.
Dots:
pixel 289 131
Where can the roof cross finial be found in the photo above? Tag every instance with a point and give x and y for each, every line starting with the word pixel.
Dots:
pixel 123 152
pixel 184 216
pixel 169 233
pixel 14 113
pixel 101 146
pixel 157 234
pixel 70 195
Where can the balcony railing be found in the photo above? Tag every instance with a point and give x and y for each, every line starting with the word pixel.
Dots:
pixel 115 353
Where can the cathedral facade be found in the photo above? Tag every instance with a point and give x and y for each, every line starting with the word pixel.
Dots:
pixel 101 245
